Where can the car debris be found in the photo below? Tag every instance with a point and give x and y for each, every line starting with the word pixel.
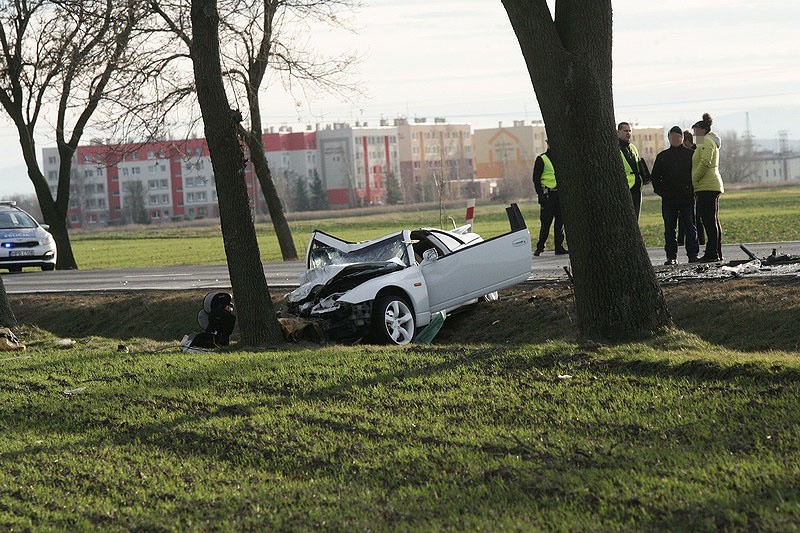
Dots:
pixel 772 265
pixel 385 290
pixel 9 341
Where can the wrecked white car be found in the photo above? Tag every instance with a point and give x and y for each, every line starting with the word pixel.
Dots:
pixel 387 289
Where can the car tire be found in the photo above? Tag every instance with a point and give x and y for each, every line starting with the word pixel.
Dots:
pixel 392 320
pixel 48 267
pixel 15 269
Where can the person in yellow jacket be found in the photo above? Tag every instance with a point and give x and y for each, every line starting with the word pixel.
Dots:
pixel 630 160
pixel 707 183
pixel 544 181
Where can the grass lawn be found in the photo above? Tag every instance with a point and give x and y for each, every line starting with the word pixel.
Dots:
pixel 747 216
pixel 696 429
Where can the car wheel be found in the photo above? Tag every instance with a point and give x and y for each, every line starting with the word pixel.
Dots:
pixel 392 320
pixel 47 267
pixel 15 269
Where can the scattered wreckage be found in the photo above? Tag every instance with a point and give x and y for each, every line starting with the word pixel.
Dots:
pixel 772 265
pixel 388 289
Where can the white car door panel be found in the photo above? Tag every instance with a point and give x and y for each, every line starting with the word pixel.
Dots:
pixel 476 270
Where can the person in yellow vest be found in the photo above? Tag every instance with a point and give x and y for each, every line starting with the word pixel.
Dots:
pixel 708 187
pixel 544 181
pixel 630 160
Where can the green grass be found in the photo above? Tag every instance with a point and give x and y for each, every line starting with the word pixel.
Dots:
pixel 672 434
pixel 747 216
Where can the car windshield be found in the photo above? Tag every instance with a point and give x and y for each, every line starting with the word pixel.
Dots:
pixel 16 220
pixel 393 248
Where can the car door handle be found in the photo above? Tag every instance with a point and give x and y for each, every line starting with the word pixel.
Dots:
pixel 520 242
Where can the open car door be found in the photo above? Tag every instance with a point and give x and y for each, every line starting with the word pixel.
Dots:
pixel 476 270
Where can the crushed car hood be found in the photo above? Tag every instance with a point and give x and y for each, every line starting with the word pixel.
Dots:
pixel 321 282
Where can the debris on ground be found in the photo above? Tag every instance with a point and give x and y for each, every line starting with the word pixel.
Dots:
pixel 751 267
pixel 72 392
pixel 429 332
pixel 65 344
pixel 772 265
pixel 298 329
pixel 9 341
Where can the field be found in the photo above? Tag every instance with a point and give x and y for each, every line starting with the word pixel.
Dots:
pixel 505 423
pixel 747 216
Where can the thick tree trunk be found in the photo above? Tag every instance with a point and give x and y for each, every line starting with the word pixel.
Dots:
pixel 55 217
pixel 569 62
pixel 279 222
pixel 257 321
pixel 7 318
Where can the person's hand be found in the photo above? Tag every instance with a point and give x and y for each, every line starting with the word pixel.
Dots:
pixel 541 199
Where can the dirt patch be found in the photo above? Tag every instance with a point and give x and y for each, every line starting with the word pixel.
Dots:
pixel 742 314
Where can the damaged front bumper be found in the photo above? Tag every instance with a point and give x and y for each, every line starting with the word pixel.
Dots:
pixel 341 321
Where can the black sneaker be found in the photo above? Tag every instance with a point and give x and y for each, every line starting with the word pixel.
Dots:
pixel 538 251
pixel 694 259
pixel 671 261
pixel 562 251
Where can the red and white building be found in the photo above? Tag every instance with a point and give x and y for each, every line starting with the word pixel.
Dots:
pixel 355 161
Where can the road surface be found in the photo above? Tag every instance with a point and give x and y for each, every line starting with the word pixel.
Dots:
pixel 280 276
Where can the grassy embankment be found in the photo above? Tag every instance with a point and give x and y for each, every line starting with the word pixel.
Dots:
pixel 747 216
pixel 520 429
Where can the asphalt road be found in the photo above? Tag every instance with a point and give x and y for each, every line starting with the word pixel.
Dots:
pixel 280 276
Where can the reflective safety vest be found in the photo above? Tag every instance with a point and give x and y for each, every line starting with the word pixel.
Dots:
pixel 548 173
pixel 628 170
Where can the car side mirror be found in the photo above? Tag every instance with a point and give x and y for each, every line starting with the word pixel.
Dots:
pixel 45 227
pixel 430 255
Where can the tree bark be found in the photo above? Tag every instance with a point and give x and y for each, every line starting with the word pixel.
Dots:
pixel 569 62
pixel 7 318
pixel 257 321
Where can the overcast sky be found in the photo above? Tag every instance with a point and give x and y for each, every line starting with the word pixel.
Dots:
pixel 459 59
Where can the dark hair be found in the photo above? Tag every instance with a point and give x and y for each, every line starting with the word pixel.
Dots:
pixel 619 126
pixel 705 123
pixel 687 136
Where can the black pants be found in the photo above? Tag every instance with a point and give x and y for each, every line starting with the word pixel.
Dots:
pixel 701 235
pixel 636 196
pixel 673 211
pixel 550 208
pixel 708 210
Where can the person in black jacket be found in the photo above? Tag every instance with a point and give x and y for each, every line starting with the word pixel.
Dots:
pixel 672 180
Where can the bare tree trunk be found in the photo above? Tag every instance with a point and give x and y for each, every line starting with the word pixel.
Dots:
pixel 569 63
pixel 257 321
pixel 256 146
pixel 7 318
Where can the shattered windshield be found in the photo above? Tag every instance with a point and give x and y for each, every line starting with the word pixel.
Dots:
pixel 391 249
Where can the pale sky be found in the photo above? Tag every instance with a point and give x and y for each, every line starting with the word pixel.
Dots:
pixel 459 59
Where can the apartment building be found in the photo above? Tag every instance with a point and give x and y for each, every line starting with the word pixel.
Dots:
pixel 434 154
pixel 354 162
pixel 649 140
pixel 139 182
pixel 292 157
pixel 775 167
pixel 508 152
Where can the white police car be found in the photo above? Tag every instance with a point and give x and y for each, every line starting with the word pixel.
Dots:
pixel 23 241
